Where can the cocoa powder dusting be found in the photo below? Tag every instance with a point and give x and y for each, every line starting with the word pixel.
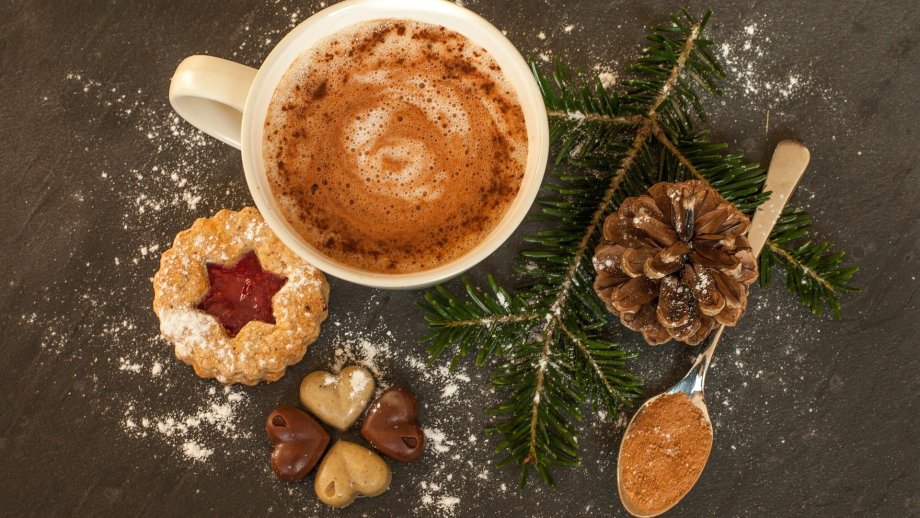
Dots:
pixel 664 453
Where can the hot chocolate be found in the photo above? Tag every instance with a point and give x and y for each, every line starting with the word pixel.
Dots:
pixel 395 146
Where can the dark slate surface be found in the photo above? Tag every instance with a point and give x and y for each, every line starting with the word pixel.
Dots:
pixel 814 417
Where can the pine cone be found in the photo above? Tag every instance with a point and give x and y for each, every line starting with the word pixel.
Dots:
pixel 675 262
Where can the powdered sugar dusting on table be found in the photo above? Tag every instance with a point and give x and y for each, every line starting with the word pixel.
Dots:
pixel 744 55
pixel 195 434
pixel 177 174
pixel 195 451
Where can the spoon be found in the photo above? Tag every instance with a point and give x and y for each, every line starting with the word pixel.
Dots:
pixel 786 168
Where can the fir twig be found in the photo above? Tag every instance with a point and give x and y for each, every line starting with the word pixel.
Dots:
pixel 546 338
pixel 467 324
pixel 814 271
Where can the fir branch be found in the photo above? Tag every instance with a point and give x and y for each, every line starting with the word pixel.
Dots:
pixel 591 232
pixel 605 362
pixel 814 270
pixel 543 363
pixel 491 321
pixel 582 115
pixel 553 363
pixel 546 338
pixel 684 161
pixel 548 438
pixel 594 117
pixel 737 181
pixel 469 324
pixel 678 68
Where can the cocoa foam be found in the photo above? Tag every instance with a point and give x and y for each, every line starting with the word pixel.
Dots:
pixel 395 146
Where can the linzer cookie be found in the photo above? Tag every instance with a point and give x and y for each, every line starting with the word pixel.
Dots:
pixel 236 303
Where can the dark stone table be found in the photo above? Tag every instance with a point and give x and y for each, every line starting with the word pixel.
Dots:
pixel 813 417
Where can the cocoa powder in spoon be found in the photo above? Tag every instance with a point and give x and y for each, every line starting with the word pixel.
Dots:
pixel 664 453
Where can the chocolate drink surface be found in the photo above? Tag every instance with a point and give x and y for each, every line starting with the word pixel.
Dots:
pixel 395 146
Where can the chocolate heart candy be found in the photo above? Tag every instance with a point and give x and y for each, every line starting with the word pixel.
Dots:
pixel 298 439
pixel 391 425
pixel 338 400
pixel 349 471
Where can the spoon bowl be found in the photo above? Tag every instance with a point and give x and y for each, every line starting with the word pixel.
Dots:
pixel 691 385
pixel 632 508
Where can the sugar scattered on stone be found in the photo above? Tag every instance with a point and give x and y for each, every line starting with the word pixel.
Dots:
pixel 748 60
pixel 438 440
pixel 126 365
pixel 197 434
pixel 195 451
pixel 449 391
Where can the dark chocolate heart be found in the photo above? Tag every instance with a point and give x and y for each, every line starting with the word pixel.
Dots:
pixel 391 425
pixel 298 439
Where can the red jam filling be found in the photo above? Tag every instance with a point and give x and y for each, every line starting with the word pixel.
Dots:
pixel 240 293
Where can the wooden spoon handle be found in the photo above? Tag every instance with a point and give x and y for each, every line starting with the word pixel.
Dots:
pixel 789 162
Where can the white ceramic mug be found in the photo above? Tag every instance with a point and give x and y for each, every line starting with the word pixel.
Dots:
pixel 229 101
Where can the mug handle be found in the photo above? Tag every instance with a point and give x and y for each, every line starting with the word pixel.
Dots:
pixel 210 93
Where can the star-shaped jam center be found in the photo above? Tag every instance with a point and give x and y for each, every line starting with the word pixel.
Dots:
pixel 240 293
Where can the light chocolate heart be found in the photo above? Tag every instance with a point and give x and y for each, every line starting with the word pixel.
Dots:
pixel 349 471
pixel 337 400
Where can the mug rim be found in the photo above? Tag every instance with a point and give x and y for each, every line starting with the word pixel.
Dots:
pixel 302 38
